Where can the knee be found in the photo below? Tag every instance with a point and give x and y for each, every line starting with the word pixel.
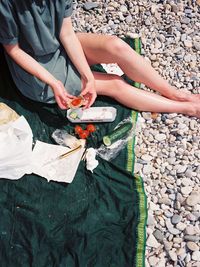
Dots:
pixel 117 86
pixel 115 45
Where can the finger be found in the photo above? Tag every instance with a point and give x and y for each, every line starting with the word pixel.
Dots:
pixel 63 89
pixel 84 92
pixel 87 100
pixel 68 95
pixel 61 103
pixel 91 100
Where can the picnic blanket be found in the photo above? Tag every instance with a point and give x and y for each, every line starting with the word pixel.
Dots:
pixel 96 221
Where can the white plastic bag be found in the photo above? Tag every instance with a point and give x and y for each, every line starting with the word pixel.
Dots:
pixel 15 149
pixel 112 151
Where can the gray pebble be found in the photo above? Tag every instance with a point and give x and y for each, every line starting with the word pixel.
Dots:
pixel 193 238
pixel 176 219
pixel 175 8
pixel 158 235
pixel 129 19
pixel 197 45
pixel 171 229
pixel 147 22
pixel 90 5
pixel 181 169
pixel 185 20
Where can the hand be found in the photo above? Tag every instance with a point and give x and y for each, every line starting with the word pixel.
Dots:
pixel 61 96
pixel 89 92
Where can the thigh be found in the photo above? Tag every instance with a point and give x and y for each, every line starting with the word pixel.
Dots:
pixel 97 47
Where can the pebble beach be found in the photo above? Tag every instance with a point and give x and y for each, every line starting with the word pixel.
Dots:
pixel 168 145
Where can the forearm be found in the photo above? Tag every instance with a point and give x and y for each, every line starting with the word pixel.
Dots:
pixel 75 52
pixel 29 64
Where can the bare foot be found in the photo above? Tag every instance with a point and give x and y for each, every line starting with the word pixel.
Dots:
pixel 184 95
pixel 195 98
pixel 194 110
pixel 181 95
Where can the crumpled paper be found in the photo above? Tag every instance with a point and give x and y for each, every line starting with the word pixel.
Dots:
pixel 91 162
pixel 15 149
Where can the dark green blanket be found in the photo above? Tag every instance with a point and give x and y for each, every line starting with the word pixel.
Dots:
pixel 96 221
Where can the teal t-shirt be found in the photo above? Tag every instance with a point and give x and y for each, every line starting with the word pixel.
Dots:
pixel 35 25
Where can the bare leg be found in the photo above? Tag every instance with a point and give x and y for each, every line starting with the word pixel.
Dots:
pixel 115 87
pixel 110 49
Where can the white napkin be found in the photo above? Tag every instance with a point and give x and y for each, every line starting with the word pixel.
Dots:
pixel 45 163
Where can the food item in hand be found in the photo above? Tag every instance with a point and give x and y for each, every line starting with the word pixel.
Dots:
pixel 84 134
pixel 117 134
pixel 76 102
pixel 78 129
pixel 91 128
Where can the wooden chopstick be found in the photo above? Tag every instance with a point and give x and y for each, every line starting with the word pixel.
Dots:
pixel 69 152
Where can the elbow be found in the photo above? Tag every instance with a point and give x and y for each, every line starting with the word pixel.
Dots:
pixel 11 50
pixel 65 36
pixel 67 31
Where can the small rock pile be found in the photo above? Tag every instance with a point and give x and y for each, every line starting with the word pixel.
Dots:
pixel 168 145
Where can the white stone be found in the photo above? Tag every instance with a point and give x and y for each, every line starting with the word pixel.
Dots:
pixel 153 260
pixel 152 242
pixel 150 221
pixel 153 206
pixel 190 230
pixel 123 9
pixel 186 190
pixel 196 256
pixel 147 169
pixel 160 137
pixel 181 226
pixel 181 169
pixel 138 167
pixel 162 261
pixel 186 182
pixel 173 255
pixel 192 246
pixel 188 43
pixel 193 199
pixel 146 157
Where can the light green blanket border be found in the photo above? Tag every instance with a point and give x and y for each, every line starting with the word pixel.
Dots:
pixel 141 235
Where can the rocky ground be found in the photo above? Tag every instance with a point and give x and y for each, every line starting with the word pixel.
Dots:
pixel 168 145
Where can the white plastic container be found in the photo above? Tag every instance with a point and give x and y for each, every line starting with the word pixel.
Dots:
pixel 93 114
